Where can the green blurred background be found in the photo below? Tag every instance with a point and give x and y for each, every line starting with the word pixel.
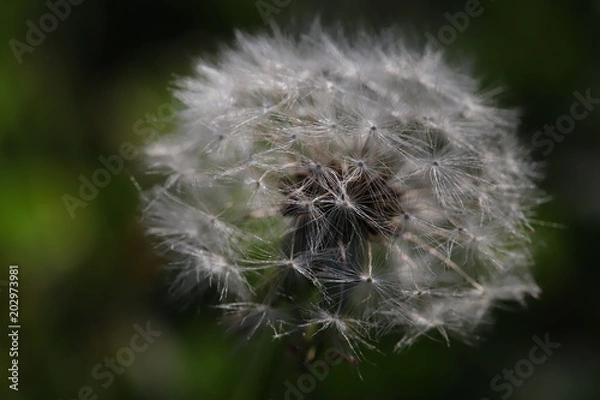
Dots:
pixel 86 281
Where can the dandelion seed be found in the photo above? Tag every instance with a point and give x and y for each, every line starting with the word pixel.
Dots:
pixel 340 190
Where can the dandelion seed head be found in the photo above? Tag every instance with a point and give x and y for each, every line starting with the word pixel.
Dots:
pixel 350 188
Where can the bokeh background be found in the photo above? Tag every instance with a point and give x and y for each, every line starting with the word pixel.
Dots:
pixel 88 279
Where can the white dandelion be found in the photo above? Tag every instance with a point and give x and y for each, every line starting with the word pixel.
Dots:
pixel 343 189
